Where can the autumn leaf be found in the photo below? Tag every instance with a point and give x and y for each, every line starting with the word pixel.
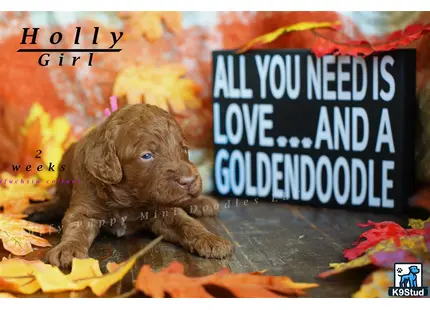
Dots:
pixel 364 48
pixel 17 191
pixel 56 136
pixel 173 282
pixel 6 295
pixel 163 86
pixel 407 248
pixel 150 23
pixel 376 285
pixel 418 224
pixel 379 232
pixel 27 277
pixel 14 233
pixel 272 36
pixel 17 276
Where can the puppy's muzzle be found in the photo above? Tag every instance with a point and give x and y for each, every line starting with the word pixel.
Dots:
pixel 188 180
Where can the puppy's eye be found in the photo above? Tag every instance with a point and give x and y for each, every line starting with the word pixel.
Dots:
pixel 147 156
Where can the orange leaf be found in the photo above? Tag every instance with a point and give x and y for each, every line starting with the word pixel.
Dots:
pixel 164 86
pixel 17 191
pixel 14 232
pixel 173 282
pixel 272 36
pixel 150 24
pixel 11 120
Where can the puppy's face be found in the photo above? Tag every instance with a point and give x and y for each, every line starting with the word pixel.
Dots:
pixel 146 157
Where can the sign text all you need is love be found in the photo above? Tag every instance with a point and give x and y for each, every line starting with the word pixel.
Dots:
pixel 329 131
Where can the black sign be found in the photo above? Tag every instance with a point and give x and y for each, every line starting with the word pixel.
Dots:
pixel 331 131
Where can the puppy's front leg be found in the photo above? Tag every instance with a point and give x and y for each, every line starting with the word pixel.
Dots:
pixel 192 235
pixel 79 232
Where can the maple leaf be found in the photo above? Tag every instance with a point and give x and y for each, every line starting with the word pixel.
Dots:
pixel 150 24
pixel 27 277
pixel 164 86
pixel 16 239
pixel 400 38
pixel 171 280
pixel 56 137
pixel 272 36
pixel 17 191
pixel 408 248
pixel 380 231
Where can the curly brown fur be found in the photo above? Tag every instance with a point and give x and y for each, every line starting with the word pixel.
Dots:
pixel 122 190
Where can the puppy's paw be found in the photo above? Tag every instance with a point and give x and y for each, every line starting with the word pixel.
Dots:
pixel 212 246
pixel 203 206
pixel 62 255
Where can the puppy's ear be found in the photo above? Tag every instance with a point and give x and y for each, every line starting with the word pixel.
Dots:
pixel 101 159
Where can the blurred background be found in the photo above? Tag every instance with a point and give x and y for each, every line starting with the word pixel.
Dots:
pixel 165 60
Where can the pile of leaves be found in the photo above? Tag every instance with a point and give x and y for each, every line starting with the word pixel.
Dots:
pixel 18 276
pixel 42 141
pixel 381 246
pixel 21 185
pixel 324 45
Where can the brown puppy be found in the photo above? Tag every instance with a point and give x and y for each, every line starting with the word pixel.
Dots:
pixel 134 173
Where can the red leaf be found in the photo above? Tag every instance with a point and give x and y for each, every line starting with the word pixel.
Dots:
pixel 380 231
pixel 363 48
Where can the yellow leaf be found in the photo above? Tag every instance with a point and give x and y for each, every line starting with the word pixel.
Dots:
pixel 52 280
pixel 272 36
pixel 55 133
pixel 18 276
pixel 16 239
pixel 6 295
pixel 17 191
pixel 163 86
pixel 418 224
pixel 150 23
pixel 21 276
pixel 101 285
pixel 376 285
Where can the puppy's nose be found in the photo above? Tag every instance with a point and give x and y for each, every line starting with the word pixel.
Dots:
pixel 186 181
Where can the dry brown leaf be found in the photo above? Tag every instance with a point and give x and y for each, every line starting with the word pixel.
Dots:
pixel 150 23
pixel 173 282
pixel 16 235
pixel 163 86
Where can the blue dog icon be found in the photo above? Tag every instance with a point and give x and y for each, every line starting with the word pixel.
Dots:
pixel 410 278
